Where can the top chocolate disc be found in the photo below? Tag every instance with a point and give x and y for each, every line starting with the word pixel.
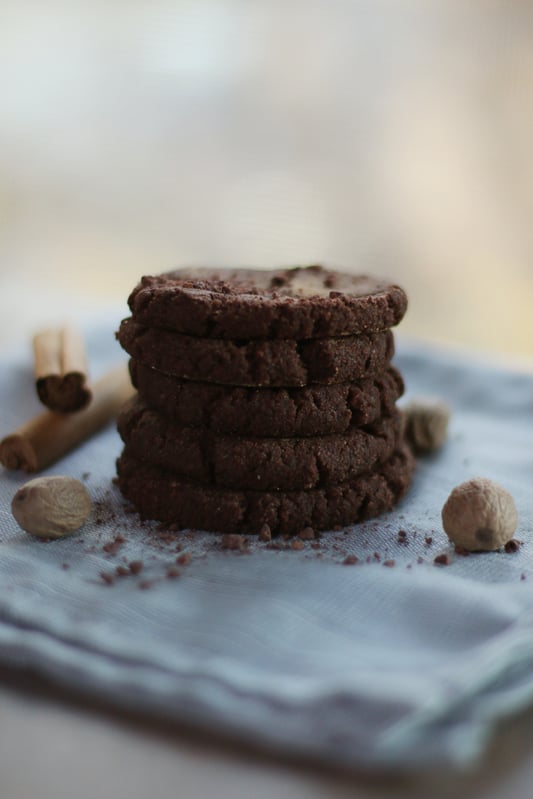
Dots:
pixel 303 302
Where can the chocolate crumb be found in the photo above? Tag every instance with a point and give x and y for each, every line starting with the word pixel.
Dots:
pixel 297 544
pixel 377 556
pixel 513 545
pixel 232 541
pixel 265 533
pixel 111 547
pixel 307 534
pixel 442 560
pixel 122 571
pixel 65 566
pixel 184 559
pixel 522 576
pixel 459 550
pixel 390 563
pixel 172 573
pixel 145 584
pixel 428 540
pixel 350 560
pixel 136 566
pixel 402 537
pixel 107 578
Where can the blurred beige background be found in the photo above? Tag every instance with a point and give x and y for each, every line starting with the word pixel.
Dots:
pixel 391 136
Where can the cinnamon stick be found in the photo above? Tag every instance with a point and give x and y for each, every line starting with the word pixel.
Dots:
pixel 49 436
pixel 61 369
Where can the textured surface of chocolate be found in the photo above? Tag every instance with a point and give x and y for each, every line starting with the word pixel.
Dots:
pixel 275 412
pixel 287 464
pixel 163 496
pixel 257 362
pixel 303 302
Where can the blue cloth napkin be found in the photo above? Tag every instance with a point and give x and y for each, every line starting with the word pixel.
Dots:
pixel 391 662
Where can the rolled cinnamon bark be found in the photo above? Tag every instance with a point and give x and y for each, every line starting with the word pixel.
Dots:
pixel 61 369
pixel 49 436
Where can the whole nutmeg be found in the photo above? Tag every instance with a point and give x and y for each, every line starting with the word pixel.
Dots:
pixel 51 507
pixel 426 423
pixel 479 515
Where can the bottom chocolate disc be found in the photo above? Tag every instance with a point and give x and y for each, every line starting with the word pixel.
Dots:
pixel 163 496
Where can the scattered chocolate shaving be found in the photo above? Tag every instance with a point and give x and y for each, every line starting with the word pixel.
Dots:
pixel 184 559
pixel 233 541
pixel 136 566
pixel 122 571
pixel 145 584
pixel 350 560
pixel 172 573
pixel 111 547
pixel 107 578
pixel 513 545
pixel 297 544
pixel 442 560
pixel 389 563
pixel 428 540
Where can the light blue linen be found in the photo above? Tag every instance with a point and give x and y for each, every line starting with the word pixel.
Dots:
pixel 364 665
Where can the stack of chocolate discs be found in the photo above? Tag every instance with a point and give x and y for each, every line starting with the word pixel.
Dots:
pixel 263 397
